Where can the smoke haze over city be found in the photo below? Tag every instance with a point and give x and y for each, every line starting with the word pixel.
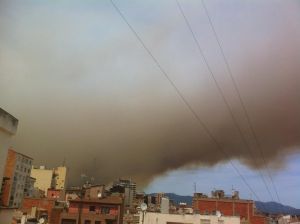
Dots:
pixel 84 89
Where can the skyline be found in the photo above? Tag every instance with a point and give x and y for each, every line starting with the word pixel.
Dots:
pixel 84 88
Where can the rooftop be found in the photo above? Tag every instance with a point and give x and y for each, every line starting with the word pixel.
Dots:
pixel 106 200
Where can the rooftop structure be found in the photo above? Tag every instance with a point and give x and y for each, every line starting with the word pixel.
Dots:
pixel 228 206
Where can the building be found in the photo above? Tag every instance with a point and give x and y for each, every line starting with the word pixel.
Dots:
pixel 38 208
pixel 56 194
pixel 17 171
pixel 60 176
pixel 164 205
pixel 127 188
pixel 228 206
pixel 44 178
pixel 158 198
pixel 29 189
pixel 8 128
pixel 160 218
pixel 49 178
pixel 94 208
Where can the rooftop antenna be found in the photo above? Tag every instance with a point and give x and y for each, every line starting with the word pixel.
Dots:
pixel 64 162
pixel 195 187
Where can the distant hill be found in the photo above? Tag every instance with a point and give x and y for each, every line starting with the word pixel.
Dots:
pixel 276 208
pixel 265 207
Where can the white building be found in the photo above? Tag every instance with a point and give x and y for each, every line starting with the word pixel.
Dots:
pixel 8 128
pixel 165 205
pixel 159 218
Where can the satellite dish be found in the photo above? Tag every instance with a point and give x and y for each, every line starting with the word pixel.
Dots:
pixel 218 214
pixel 99 195
pixel 41 220
pixel 144 207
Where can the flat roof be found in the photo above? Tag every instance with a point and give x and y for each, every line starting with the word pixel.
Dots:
pixel 28 157
pixel 223 199
pixel 107 200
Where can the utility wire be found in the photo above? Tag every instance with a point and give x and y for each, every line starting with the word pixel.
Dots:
pixel 240 98
pixel 190 108
pixel 222 95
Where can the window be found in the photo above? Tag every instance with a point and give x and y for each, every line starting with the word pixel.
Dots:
pixel 68 221
pixel 204 221
pixel 92 208
pixel 97 222
pixel 105 210
pixel 87 221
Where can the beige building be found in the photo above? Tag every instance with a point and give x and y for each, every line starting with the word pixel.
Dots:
pixel 49 178
pixel 159 218
pixel 44 178
pixel 8 128
pixel 60 175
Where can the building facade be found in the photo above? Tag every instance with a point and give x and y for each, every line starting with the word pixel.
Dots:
pixel 29 187
pixel 49 178
pixel 17 171
pixel 43 178
pixel 159 218
pixel 60 175
pixel 94 208
pixel 8 128
pixel 228 206
pixel 127 188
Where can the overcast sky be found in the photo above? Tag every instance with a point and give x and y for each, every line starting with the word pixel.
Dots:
pixel 86 91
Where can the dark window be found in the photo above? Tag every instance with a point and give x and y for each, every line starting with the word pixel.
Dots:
pixel 105 210
pixel 87 221
pixel 97 222
pixel 68 221
pixel 92 208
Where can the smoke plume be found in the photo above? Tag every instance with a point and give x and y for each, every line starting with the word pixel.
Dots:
pixel 86 92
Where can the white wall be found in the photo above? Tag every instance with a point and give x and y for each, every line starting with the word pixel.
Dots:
pixel 158 218
pixel 8 127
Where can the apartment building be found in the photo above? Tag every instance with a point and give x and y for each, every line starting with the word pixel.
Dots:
pixel 16 172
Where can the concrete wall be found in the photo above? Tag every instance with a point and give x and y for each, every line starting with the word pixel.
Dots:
pixel 6 215
pixel 8 128
pixel 158 218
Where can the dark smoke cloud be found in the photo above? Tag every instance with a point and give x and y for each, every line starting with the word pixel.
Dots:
pixel 85 90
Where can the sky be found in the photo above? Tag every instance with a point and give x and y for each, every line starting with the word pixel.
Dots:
pixel 222 176
pixel 87 92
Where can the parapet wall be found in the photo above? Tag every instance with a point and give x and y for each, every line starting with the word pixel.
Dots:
pixel 8 123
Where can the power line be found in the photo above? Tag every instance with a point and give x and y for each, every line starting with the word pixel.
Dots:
pixel 240 98
pixel 206 129
pixel 222 95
